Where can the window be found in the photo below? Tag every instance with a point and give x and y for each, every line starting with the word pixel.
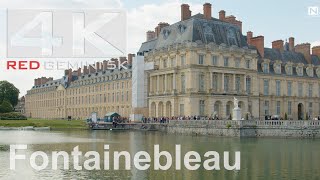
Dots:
pixel 266 68
pixel 215 82
pixel 277 68
pixel 299 71
pixel 289 108
pixel 237 62
pixel 226 61
pixel 228 109
pixel 289 89
pixel 278 88
pixel 214 60
pixel 278 108
pixel 266 87
pixel 310 109
pixel 183 83
pixel 300 89
pixel 201 107
pixel 248 66
pixel 181 109
pixel 201 59
pixel 183 60
pixel 310 90
pixel 248 85
pixel 266 107
pixel 164 63
pixel 237 84
pixel 289 69
pixel 226 83
pixel 173 62
pixel 201 82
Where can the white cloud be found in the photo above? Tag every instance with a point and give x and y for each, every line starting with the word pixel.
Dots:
pixel 140 20
pixel 147 17
pixel 316 43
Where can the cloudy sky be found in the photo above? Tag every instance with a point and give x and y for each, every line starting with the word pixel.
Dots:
pixel 274 19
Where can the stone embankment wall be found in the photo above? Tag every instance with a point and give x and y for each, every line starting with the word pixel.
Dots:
pixel 295 129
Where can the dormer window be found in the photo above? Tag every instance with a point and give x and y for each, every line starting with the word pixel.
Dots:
pixel 237 62
pixel 277 68
pixel 318 72
pixel 248 64
pixel 265 67
pixel 310 71
pixel 289 69
pixel 300 71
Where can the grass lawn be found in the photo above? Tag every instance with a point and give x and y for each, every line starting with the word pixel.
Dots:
pixel 53 124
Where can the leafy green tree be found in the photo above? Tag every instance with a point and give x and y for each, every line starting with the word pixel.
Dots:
pixel 6 107
pixel 9 92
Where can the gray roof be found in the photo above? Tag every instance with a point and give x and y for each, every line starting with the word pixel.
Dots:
pixel 197 29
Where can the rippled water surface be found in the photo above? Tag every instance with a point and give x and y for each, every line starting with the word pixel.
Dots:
pixel 260 158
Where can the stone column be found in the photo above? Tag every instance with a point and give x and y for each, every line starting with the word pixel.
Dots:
pixel 151 83
pixel 234 82
pixel 158 87
pixel 174 82
pixel 222 82
pixel 244 83
pixel 165 82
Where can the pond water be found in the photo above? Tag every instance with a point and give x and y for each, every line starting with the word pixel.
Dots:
pixel 262 158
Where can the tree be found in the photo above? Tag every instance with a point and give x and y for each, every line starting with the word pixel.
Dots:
pixel 285 116
pixel 9 92
pixel 6 107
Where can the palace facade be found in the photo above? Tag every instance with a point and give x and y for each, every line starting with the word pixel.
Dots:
pixel 202 63
pixel 79 93
pixel 199 65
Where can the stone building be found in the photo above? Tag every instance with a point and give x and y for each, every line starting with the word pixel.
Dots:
pixel 201 63
pixel 95 88
pixel 20 107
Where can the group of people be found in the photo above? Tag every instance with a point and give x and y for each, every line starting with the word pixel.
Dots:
pixel 167 119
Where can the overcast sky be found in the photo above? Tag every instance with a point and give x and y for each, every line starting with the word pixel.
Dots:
pixel 275 19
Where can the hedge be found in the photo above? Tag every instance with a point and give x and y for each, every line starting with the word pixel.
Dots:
pixel 12 116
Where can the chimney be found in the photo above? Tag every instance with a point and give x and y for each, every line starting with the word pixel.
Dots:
pixel 35 82
pixel 85 70
pixel 233 20
pixel 316 51
pixel 207 11
pixel 97 66
pixel 185 12
pixel 105 65
pixel 43 80
pixel 50 79
pixel 278 45
pixel 159 27
pixel 305 50
pixel 123 59
pixel 38 81
pixel 258 42
pixel 70 75
pixel 79 72
pixel 222 15
pixel 150 35
pixel 249 37
pixel 130 57
pixel 291 44
pixel 91 69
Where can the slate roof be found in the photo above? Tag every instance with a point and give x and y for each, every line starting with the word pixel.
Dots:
pixel 196 29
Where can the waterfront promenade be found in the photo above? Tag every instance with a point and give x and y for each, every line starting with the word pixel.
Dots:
pixel 228 128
